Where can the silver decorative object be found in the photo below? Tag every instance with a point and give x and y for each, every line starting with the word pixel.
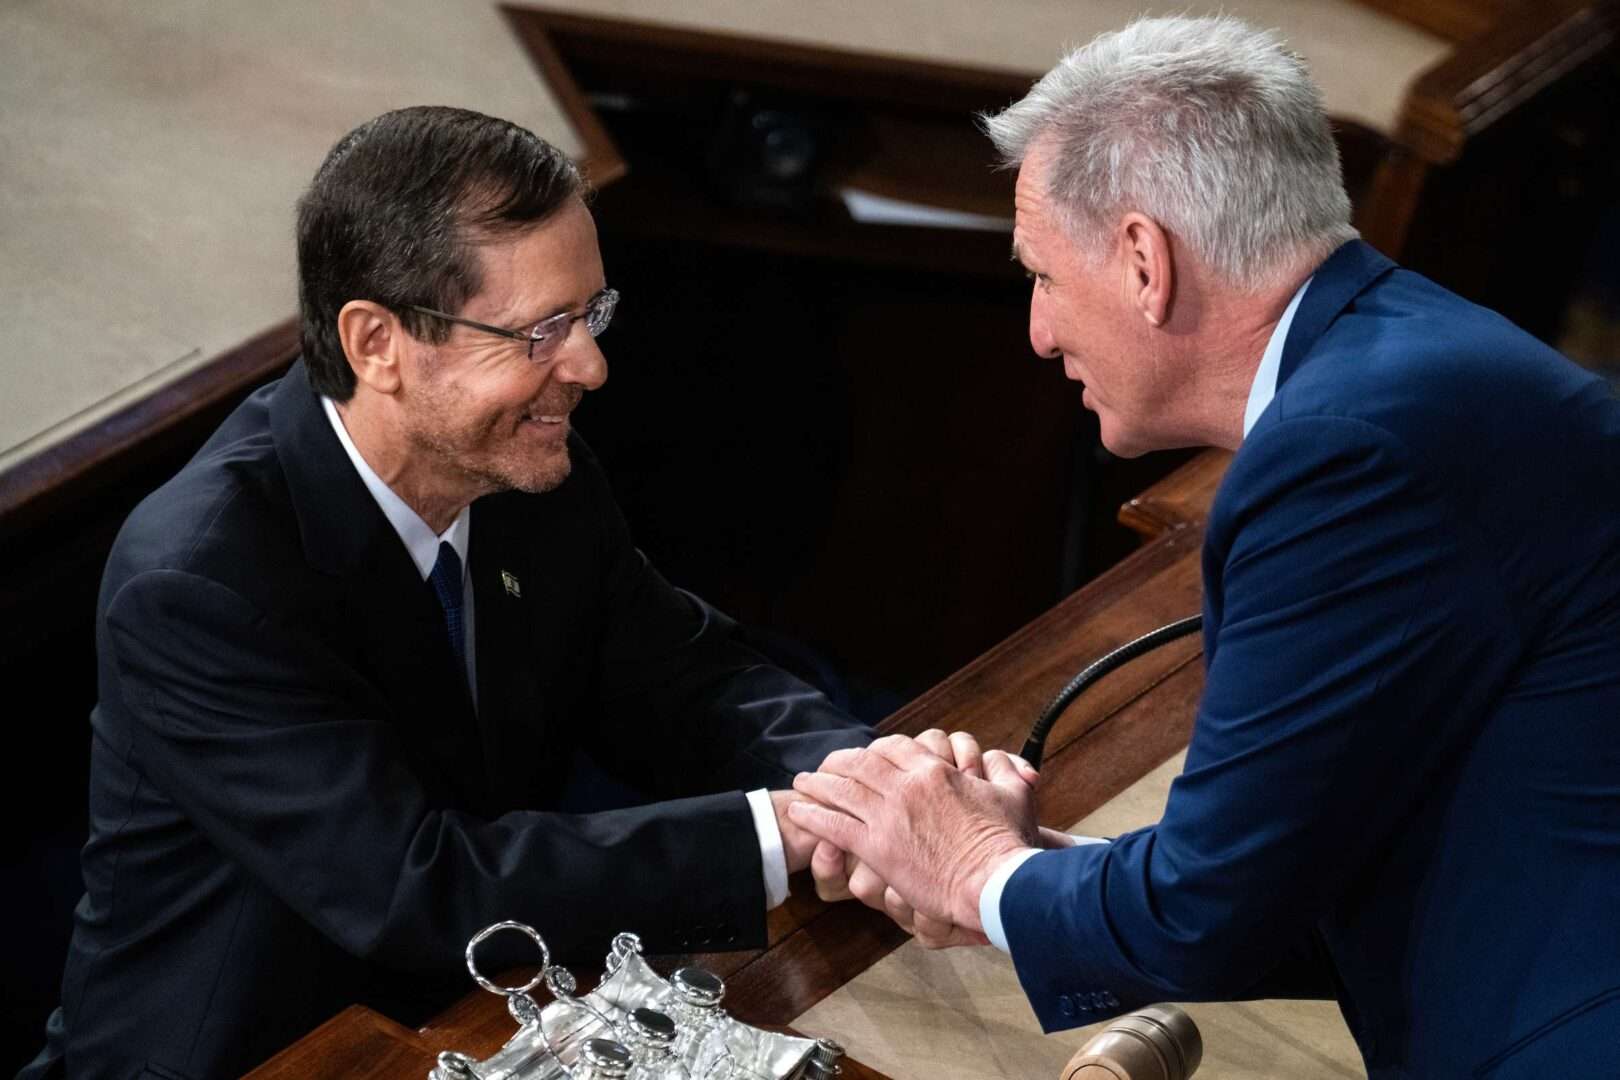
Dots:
pixel 551 1041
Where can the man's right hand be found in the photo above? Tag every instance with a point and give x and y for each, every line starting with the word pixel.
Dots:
pixel 840 876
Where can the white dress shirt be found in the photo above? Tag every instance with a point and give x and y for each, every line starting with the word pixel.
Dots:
pixel 1261 391
pixel 423 546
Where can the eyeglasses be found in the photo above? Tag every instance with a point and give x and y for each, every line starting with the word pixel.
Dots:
pixel 547 335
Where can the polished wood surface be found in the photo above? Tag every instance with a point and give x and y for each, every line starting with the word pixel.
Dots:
pixel 1512 54
pixel 1179 500
pixel 1529 48
pixel 1129 723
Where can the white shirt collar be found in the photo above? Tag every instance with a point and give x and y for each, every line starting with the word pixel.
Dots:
pixel 415 533
pixel 1264 387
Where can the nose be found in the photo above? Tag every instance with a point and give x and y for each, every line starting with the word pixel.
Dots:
pixel 1040 327
pixel 581 360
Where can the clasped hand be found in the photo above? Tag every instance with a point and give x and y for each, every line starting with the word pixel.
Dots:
pixel 915 827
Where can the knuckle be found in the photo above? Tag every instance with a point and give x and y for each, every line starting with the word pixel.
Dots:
pixel 839 758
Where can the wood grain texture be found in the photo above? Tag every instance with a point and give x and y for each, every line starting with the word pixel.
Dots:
pixel 357 1044
pixel 1528 49
pixel 602 163
pixel 1181 499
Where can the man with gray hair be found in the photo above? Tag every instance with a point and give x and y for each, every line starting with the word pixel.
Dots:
pixel 1403 784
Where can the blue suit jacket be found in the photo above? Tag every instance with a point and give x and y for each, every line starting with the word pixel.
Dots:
pixel 1403 786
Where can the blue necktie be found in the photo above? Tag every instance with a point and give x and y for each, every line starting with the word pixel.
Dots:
pixel 446 579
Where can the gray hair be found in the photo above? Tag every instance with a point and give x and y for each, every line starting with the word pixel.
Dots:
pixel 1209 126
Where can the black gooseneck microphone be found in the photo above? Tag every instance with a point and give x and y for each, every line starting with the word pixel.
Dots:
pixel 1035 745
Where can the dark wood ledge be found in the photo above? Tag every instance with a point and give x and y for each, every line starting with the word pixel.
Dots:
pixel 96 458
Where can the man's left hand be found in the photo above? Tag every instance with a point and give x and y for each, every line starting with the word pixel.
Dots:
pixel 797 843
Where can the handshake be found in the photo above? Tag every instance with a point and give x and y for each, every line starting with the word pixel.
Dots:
pixel 914 827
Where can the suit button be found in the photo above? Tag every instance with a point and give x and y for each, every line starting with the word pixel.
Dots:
pixel 1066 1005
pixel 1111 1001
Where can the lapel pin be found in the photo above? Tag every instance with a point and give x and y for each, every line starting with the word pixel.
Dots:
pixel 513 586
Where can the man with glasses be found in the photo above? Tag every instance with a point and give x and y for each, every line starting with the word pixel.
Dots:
pixel 348 654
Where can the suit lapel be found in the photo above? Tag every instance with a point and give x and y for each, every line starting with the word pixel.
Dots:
pixel 1337 282
pixel 389 619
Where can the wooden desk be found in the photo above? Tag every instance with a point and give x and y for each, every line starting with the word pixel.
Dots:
pixel 1128 724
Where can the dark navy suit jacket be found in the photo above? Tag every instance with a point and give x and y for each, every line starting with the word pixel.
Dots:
pixel 1403 786
pixel 295 807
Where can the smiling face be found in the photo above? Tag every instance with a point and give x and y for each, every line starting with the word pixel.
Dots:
pixel 1081 311
pixel 476 414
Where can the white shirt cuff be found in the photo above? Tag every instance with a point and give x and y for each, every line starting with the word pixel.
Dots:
pixel 990 895
pixel 771 856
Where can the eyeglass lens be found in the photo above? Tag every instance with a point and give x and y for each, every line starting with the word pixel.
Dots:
pixel 547 335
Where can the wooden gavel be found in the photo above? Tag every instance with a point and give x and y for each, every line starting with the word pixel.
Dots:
pixel 1159 1042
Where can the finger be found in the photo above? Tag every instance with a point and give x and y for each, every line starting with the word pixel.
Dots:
pixel 867 766
pixel 839 760
pixel 940 934
pixel 936 742
pixel 965 752
pixel 903 754
pixel 866 886
pixel 933 933
pixel 1029 772
pixel 828 824
pixel 873 770
pixel 827 867
pixel 839 793
pixel 1003 770
pixel 899 910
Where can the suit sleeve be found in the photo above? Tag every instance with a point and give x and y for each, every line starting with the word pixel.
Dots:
pixel 1356 629
pixel 688 707
pixel 259 735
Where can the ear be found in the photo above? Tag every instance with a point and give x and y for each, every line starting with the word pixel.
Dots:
pixel 1149 267
pixel 371 337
